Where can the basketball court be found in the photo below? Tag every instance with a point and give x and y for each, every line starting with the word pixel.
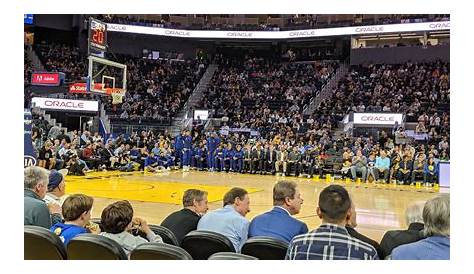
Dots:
pixel 154 196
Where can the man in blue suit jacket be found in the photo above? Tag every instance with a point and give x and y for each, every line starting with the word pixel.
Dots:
pixel 279 223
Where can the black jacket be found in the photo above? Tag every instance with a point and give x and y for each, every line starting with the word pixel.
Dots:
pixel 395 238
pixel 181 223
pixel 366 239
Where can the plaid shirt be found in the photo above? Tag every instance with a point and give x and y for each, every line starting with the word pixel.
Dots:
pixel 329 242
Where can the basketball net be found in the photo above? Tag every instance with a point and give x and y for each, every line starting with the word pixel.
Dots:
pixel 117 95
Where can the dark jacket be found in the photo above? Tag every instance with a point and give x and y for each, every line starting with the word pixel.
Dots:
pixel 395 238
pixel 37 212
pixel 366 239
pixel 181 222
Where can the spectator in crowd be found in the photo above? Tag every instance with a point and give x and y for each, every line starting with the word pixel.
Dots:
pixel 404 171
pixel 46 156
pixel 56 187
pixel 418 168
pixel 436 245
pixel 359 164
pixel 186 220
pixel 352 224
pixel 279 223
pixel 76 212
pixel 117 221
pixel 382 166
pixel 36 211
pixel 230 220
pixel 371 167
pixel 430 172
pixel 414 219
pixel 331 241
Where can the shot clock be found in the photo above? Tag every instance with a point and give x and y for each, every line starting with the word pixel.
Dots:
pixel 97 36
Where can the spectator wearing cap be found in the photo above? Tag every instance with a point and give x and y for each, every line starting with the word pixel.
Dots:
pixel 36 212
pixel 56 187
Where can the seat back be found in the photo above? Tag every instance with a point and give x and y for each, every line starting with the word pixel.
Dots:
pixel 231 256
pixel 159 251
pixel 166 234
pixel 42 244
pixel 265 248
pixel 202 244
pixel 94 247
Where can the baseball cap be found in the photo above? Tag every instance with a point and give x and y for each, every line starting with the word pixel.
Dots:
pixel 55 178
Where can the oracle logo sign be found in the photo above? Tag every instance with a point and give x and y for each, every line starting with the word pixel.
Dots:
pixel 177 33
pixel 294 34
pixel 302 33
pixel 441 25
pixel 369 29
pixel 378 118
pixel 46 79
pixel 244 34
pixel 115 27
pixel 78 88
pixel 63 104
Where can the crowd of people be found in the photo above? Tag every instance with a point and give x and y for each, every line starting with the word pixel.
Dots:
pixel 427 236
pixel 265 94
pixel 419 90
pixel 148 82
pixel 371 160
pixel 293 22
pixel 62 58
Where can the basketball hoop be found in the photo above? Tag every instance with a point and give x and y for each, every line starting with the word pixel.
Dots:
pixel 116 93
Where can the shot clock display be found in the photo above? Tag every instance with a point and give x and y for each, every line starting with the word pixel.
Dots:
pixel 97 35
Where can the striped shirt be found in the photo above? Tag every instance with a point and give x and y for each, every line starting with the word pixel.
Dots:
pixel 329 242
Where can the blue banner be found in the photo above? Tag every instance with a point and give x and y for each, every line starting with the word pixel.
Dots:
pixel 29 153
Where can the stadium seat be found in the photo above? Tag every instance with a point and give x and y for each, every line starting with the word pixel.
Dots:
pixel 231 256
pixel 159 251
pixel 265 248
pixel 42 244
pixel 94 247
pixel 202 244
pixel 166 234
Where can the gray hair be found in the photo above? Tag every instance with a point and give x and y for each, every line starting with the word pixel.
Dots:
pixel 414 213
pixel 34 175
pixel 192 195
pixel 436 215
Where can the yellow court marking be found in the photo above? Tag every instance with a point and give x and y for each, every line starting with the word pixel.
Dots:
pixel 140 187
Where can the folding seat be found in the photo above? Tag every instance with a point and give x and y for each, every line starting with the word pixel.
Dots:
pixel 159 251
pixel 94 247
pixel 166 234
pixel 265 248
pixel 230 256
pixel 202 244
pixel 42 244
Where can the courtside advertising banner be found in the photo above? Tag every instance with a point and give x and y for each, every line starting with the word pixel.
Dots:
pixel 29 153
pixel 64 104
pixel 46 78
pixel 78 88
pixel 359 30
pixel 378 118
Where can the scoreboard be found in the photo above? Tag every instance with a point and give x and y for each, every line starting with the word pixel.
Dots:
pixel 97 36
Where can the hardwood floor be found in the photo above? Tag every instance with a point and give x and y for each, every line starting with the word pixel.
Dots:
pixel 154 196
